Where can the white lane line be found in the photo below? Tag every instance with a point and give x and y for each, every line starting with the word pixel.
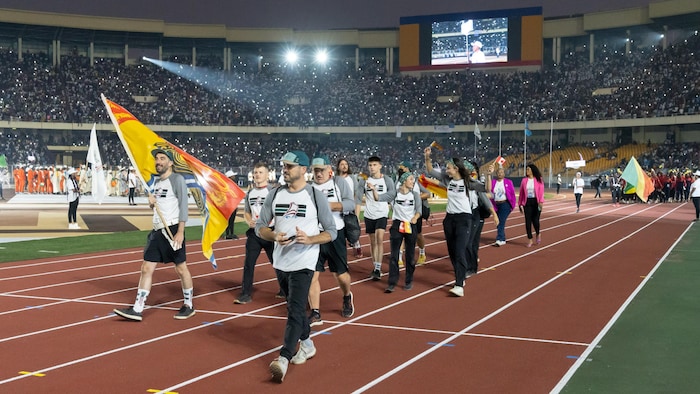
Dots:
pixel 444 342
pixel 271 306
pixel 572 370
pixel 498 311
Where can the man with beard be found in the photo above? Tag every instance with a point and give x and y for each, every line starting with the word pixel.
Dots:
pixel 298 209
pixel 166 242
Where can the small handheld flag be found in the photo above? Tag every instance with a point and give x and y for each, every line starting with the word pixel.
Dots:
pixel 435 145
pixel 500 160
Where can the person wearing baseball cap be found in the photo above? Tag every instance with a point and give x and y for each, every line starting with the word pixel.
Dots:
pixel 167 153
pixel 166 242
pixel 340 199
pixel 299 212
pixel 406 167
pixel 295 158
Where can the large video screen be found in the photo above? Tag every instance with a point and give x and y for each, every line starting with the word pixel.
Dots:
pixel 480 39
pixel 469 41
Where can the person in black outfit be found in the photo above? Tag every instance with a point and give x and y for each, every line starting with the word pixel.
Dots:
pixel 230 231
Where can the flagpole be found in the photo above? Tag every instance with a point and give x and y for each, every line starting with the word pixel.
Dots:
pixel 525 149
pixel 500 128
pixel 474 146
pixel 551 136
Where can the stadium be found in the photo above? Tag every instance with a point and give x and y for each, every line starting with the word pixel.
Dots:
pixel 599 87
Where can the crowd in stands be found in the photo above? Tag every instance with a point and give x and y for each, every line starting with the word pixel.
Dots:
pixel 238 153
pixel 649 82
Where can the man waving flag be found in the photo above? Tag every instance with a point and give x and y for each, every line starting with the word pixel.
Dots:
pixel 216 195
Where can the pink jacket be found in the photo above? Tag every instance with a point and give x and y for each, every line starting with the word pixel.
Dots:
pixel 539 192
pixel 510 191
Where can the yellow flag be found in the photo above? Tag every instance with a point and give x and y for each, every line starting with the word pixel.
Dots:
pixel 216 195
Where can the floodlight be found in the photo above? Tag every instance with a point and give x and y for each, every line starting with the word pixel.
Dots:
pixel 321 56
pixel 291 56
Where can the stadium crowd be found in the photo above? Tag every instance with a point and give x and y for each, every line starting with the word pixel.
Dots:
pixel 647 82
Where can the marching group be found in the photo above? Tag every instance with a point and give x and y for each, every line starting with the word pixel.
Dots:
pixel 305 227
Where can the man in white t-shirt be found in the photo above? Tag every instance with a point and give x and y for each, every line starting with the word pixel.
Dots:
pixel 166 242
pixel 379 190
pixel 298 209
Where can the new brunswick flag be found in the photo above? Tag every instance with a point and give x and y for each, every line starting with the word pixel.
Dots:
pixel 636 180
pixel 216 195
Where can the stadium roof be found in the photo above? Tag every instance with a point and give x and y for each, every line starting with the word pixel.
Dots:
pixel 308 14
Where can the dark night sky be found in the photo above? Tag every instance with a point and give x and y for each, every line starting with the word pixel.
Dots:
pixel 304 14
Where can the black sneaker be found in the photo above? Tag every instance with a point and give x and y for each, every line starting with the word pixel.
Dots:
pixel 390 289
pixel 280 294
pixel 184 313
pixel 129 313
pixel 315 319
pixel 376 275
pixel 242 299
pixel 348 305
pixel 408 286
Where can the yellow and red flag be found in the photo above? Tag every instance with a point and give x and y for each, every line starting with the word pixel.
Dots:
pixel 435 145
pixel 432 186
pixel 216 195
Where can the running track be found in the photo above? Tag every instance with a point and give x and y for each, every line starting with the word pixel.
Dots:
pixel 525 319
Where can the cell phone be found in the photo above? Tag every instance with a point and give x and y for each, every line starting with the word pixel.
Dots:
pixel 291 238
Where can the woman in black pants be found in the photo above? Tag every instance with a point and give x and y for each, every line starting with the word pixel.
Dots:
pixel 530 201
pixel 458 221
pixel 73 199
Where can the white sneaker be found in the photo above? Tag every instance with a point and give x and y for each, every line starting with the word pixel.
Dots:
pixel 500 243
pixel 304 353
pixel 278 368
pixel 457 291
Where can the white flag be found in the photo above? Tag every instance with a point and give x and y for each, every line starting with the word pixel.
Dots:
pixel 99 185
pixel 477 132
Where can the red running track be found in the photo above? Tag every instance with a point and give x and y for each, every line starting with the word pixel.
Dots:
pixel 525 319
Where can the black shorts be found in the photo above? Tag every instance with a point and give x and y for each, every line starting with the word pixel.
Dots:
pixel 335 253
pixel 372 225
pixel 419 225
pixel 158 249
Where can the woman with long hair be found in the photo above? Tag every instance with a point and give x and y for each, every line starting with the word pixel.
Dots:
pixel 530 201
pixel 458 220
